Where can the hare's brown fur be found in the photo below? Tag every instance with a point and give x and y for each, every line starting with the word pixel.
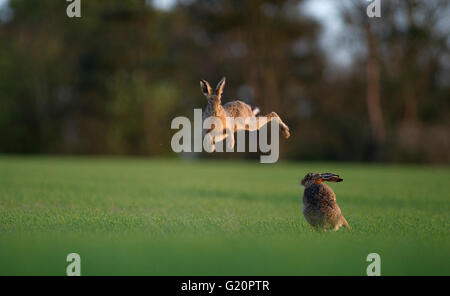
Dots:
pixel 319 202
pixel 234 109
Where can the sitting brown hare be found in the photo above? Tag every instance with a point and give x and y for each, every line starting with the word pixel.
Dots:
pixel 319 202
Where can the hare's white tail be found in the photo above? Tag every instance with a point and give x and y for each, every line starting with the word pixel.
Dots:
pixel 255 111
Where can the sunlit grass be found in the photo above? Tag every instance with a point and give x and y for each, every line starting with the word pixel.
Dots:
pixel 141 216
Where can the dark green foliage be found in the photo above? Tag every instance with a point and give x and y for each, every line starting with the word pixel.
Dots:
pixel 111 81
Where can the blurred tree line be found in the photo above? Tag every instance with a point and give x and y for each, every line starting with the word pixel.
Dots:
pixel 111 81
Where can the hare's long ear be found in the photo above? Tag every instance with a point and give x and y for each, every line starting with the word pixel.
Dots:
pixel 330 177
pixel 219 87
pixel 206 88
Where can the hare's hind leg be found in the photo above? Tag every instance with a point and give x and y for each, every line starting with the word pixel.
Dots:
pixel 284 128
pixel 269 117
pixel 341 223
pixel 345 223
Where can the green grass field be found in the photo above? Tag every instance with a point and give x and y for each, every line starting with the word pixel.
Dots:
pixel 138 216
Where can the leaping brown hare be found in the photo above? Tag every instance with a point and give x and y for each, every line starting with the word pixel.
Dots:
pixel 319 202
pixel 234 109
